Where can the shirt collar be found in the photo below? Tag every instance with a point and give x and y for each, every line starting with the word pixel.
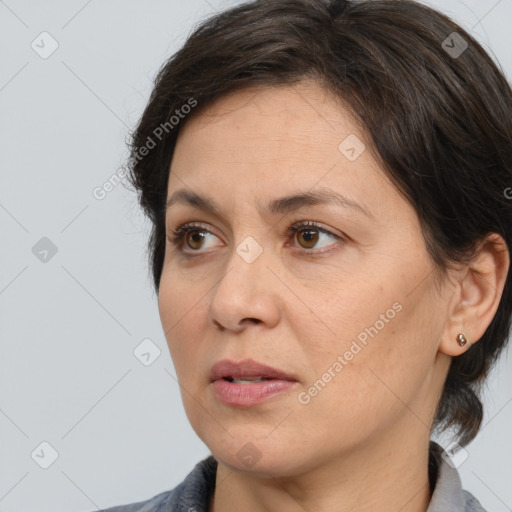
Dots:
pixel 448 494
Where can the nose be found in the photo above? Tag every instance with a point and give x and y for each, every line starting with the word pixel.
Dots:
pixel 247 293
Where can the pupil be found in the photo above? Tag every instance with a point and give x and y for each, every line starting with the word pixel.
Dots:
pixel 195 235
pixel 310 236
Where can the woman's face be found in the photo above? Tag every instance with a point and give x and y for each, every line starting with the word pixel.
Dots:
pixel 348 308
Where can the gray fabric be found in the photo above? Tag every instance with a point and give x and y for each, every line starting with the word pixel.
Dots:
pixel 194 493
pixel 448 493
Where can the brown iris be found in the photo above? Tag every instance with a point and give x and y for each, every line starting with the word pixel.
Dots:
pixel 310 236
pixel 197 236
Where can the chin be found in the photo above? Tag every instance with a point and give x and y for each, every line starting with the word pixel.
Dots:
pixel 257 454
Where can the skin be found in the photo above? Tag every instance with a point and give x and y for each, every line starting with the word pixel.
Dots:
pixel 362 442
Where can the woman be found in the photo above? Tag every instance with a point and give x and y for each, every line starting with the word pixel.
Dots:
pixel 327 184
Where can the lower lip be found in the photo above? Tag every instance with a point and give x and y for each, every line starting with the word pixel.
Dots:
pixel 246 395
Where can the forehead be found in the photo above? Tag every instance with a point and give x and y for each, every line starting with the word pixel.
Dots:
pixel 305 101
pixel 272 141
pixel 267 125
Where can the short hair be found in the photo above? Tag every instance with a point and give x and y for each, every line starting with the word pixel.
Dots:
pixel 434 105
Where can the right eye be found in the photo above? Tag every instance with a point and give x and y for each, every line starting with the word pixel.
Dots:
pixel 180 237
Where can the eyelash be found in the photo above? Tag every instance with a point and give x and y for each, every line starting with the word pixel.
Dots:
pixel 178 235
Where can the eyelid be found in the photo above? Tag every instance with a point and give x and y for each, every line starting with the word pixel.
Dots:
pixel 296 226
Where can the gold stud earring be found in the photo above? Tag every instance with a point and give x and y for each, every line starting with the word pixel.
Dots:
pixel 461 339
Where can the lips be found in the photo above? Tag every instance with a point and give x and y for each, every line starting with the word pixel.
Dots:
pixel 249 383
pixel 247 369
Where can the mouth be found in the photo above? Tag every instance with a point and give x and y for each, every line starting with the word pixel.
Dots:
pixel 247 380
pixel 249 383
pixel 247 371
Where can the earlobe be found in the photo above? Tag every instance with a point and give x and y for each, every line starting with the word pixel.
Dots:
pixel 477 297
pixel 455 345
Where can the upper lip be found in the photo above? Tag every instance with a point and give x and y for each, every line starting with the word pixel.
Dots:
pixel 246 368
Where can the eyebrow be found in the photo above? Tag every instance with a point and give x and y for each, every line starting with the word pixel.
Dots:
pixel 277 206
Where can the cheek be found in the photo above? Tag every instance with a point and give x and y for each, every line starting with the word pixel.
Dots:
pixel 360 310
pixel 373 341
pixel 368 392
pixel 181 313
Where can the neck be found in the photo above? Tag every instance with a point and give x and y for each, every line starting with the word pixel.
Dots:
pixel 366 478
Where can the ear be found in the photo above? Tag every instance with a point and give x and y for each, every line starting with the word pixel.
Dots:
pixel 476 295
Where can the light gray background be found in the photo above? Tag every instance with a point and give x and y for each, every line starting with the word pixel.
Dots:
pixel 68 327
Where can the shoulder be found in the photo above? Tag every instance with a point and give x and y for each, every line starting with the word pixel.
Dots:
pixel 193 493
pixel 157 503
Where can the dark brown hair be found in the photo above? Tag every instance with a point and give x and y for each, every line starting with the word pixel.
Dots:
pixel 438 114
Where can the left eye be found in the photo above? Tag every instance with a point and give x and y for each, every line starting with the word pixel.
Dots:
pixel 310 232
pixel 308 235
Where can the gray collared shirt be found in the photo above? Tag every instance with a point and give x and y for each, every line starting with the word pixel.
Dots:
pixel 195 492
